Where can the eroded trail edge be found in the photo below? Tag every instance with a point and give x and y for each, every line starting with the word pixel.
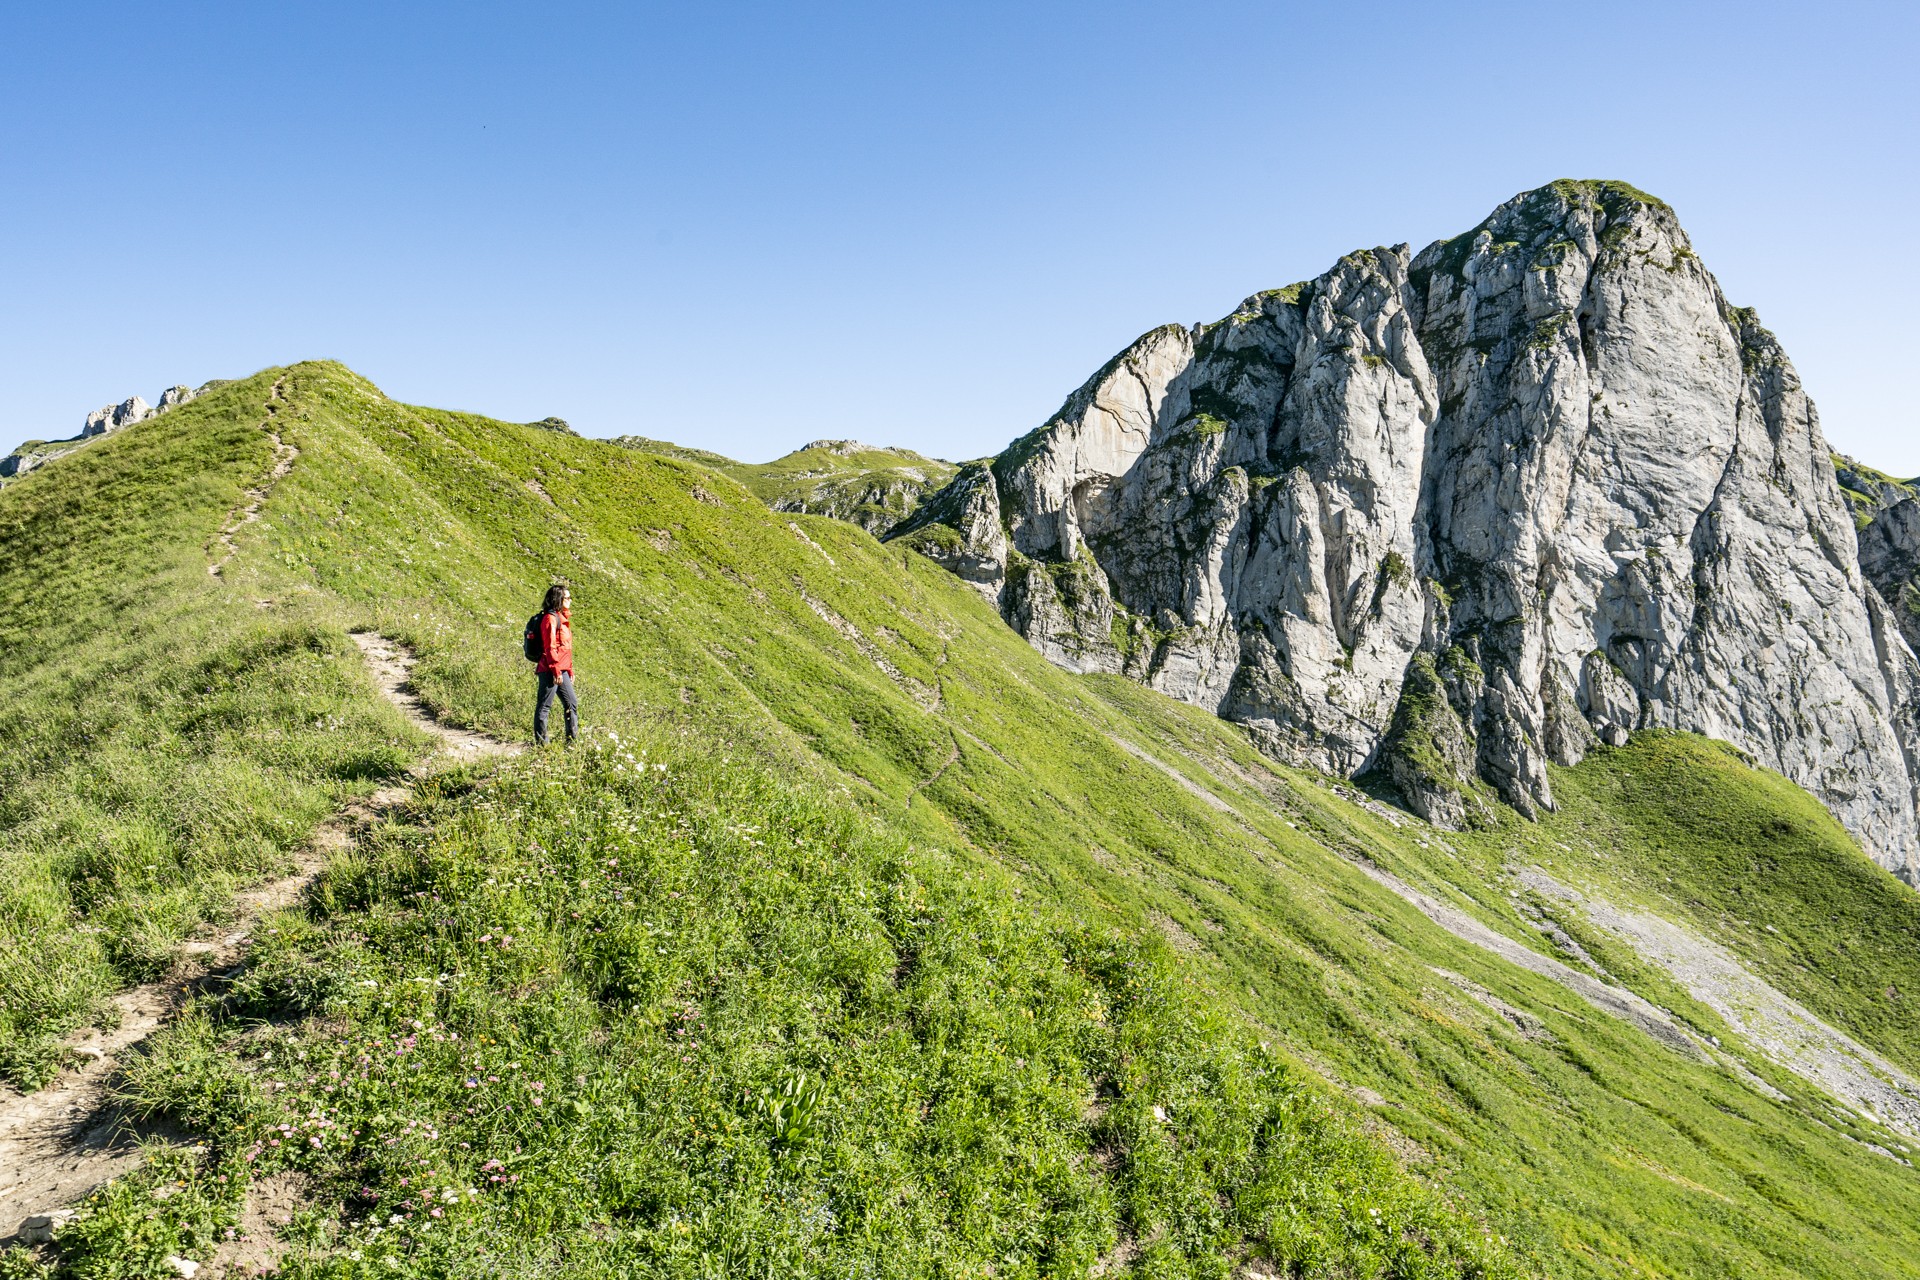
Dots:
pixel 60 1143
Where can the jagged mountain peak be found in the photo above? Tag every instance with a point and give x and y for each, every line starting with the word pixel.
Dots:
pixel 1456 515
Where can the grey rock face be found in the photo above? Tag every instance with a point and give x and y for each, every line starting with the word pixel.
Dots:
pixel 114 416
pixel 1458 514
pixel 960 528
pixel 1890 557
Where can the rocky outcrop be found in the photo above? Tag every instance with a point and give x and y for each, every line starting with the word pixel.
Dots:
pixel 872 486
pixel 1458 514
pixel 1870 491
pixel 1887 512
pixel 1890 557
pixel 101 421
pixel 114 416
pixel 960 528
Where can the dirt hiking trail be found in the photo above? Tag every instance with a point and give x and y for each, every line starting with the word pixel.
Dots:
pixel 58 1144
pixel 249 511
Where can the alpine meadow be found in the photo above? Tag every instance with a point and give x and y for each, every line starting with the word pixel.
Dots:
pixel 1198 841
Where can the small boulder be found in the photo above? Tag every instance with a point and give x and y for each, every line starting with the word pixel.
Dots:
pixel 40 1227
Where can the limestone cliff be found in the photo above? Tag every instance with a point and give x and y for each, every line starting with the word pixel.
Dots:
pixel 1455 514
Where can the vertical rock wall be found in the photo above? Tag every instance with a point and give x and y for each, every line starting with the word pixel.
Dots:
pixel 1458 514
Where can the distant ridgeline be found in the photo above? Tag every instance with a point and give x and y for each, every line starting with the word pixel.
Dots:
pixel 1448 517
pixel 872 487
pixel 107 418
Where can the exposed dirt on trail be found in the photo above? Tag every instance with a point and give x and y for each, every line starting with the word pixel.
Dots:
pixel 58 1144
pixel 392 668
pixel 249 511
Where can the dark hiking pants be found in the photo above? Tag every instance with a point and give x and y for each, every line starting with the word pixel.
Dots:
pixel 549 685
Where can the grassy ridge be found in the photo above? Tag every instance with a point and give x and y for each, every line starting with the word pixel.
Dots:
pixel 864 672
pixel 166 741
pixel 1688 830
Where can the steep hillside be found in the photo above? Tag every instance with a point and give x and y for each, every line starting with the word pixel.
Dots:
pixel 1082 979
pixel 1453 517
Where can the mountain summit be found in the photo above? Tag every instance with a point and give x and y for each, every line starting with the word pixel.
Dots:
pixel 1452 515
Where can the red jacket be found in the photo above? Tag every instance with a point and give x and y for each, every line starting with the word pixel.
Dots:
pixel 556 643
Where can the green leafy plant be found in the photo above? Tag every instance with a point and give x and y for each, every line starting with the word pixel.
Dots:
pixel 790 1107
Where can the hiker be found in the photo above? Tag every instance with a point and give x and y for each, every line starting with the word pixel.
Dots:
pixel 549 642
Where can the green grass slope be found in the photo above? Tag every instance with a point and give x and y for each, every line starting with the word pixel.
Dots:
pixel 988 965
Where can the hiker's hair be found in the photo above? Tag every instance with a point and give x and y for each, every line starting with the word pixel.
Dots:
pixel 556 596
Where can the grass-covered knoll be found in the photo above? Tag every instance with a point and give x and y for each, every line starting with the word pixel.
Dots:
pixel 875 488
pixel 874 681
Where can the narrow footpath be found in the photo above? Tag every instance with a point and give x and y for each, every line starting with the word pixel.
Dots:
pixel 247 512
pixel 58 1144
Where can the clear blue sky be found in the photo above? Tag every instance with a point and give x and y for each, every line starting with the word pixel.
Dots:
pixel 743 226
